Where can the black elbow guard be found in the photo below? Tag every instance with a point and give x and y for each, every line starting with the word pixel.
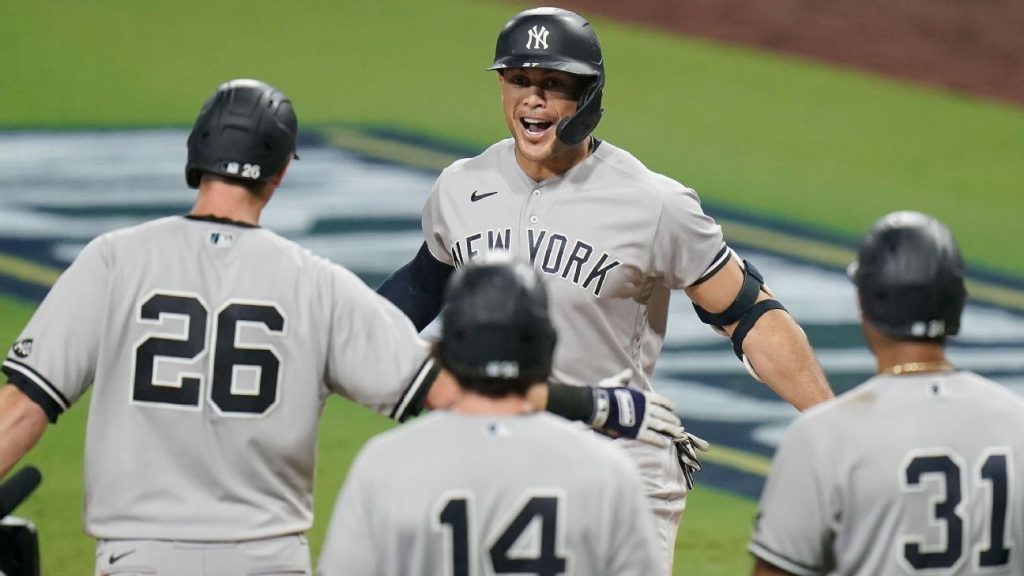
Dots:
pixel 748 321
pixel 753 283
pixel 745 309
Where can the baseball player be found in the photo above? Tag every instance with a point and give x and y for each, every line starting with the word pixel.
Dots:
pixel 213 345
pixel 917 470
pixel 491 486
pixel 611 238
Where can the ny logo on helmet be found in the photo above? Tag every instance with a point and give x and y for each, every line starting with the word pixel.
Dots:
pixel 538 38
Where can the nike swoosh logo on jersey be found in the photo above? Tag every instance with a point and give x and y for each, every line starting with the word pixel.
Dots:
pixel 116 557
pixel 476 195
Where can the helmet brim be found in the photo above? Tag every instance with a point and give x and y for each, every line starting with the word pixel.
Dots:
pixel 571 67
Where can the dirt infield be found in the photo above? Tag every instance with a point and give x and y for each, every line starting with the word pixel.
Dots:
pixel 973 46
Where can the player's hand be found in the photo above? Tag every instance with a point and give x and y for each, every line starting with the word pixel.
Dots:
pixel 686 449
pixel 624 412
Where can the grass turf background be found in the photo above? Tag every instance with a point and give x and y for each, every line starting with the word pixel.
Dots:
pixel 772 135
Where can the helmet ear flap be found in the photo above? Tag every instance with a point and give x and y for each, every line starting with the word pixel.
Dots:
pixel 572 131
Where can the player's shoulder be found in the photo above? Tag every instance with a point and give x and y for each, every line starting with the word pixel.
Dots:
pixel 620 164
pixel 486 162
pixel 134 235
pixel 992 393
pixel 837 414
pixel 147 228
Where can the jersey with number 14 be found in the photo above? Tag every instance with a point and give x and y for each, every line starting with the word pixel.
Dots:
pixel 611 238
pixel 467 494
pixel 910 474
pixel 211 348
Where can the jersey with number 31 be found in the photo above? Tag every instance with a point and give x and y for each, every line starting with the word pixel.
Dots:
pixel 911 474
pixel 211 347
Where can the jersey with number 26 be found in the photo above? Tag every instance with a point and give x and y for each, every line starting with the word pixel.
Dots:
pixel 211 348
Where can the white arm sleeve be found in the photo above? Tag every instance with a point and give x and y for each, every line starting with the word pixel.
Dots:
pixel 60 344
pixel 435 232
pixel 376 356
pixel 687 241
pixel 796 515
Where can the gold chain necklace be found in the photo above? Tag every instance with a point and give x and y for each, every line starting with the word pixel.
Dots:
pixel 912 367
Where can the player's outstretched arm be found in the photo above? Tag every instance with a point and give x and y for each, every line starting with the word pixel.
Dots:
pixel 22 423
pixel 418 287
pixel 777 350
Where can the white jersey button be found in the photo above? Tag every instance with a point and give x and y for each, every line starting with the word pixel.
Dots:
pixel 536 192
pixel 533 219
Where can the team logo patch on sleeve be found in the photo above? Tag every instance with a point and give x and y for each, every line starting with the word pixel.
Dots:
pixel 22 348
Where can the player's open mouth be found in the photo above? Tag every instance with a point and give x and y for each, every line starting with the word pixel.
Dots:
pixel 534 126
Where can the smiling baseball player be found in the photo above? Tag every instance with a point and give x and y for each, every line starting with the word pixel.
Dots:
pixel 611 238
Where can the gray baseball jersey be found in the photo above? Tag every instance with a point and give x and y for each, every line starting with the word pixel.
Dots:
pixel 611 237
pixel 211 347
pixel 910 474
pixel 455 494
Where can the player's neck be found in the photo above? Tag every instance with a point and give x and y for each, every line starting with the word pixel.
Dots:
pixel 228 201
pixel 555 165
pixel 912 357
pixel 471 403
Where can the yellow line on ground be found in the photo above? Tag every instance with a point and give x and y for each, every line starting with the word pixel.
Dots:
pixel 28 271
pixel 403 153
pixel 838 256
pixel 814 250
pixel 738 459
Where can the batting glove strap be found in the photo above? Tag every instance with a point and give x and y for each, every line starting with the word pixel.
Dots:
pixel 623 412
pixel 618 412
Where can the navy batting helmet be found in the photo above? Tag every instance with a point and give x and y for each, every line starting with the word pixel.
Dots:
pixel 556 39
pixel 495 324
pixel 245 130
pixel 910 277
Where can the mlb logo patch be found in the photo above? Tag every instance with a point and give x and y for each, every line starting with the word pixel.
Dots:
pixel 221 239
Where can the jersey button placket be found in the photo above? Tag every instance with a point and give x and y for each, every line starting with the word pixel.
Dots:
pixel 532 204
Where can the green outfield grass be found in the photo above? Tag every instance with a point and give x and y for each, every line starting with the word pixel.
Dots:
pixel 771 134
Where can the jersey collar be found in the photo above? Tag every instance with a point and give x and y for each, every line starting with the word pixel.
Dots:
pixel 219 220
